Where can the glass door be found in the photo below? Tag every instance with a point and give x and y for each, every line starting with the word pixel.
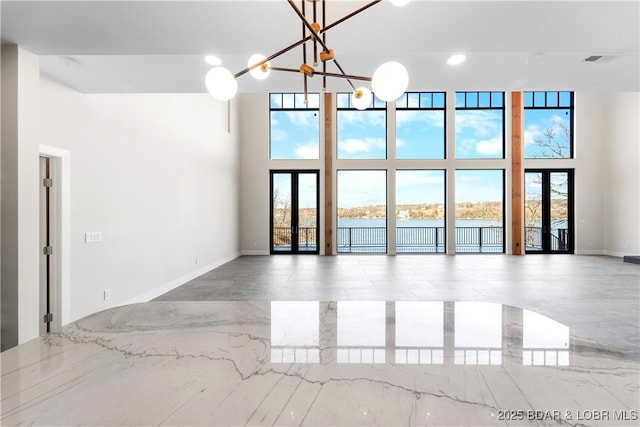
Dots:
pixel 295 216
pixel 549 211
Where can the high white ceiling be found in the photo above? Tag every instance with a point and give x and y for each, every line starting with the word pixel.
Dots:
pixel 159 46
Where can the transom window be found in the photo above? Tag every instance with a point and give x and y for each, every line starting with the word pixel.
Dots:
pixel 548 125
pixel 294 126
pixel 479 125
pixel 420 125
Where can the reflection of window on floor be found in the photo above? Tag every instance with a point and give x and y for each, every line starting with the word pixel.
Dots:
pixel 479 125
pixel 294 126
pixel 361 332
pixel 420 132
pixel 544 341
pixel 362 134
pixel 362 211
pixel 420 208
pixel 548 125
pixel 295 332
pixel 420 332
pixel 479 211
pixel 478 333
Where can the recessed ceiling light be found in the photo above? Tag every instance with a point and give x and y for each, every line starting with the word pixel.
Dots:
pixel 212 60
pixel 457 59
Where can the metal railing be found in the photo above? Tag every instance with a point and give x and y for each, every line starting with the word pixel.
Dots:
pixel 559 238
pixel 479 239
pixel 362 239
pixel 307 238
pixel 419 239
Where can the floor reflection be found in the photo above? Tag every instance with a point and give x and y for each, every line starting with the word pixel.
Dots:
pixel 415 332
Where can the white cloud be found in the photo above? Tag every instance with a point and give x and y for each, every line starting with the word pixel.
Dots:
pixel 490 146
pixel 356 145
pixel 308 151
pixel 362 118
pixel 478 122
pixel 531 133
pixel 302 119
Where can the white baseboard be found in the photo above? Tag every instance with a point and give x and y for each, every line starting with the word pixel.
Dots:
pixel 616 254
pixel 254 253
pixel 162 289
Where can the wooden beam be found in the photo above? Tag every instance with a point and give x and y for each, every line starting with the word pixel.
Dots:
pixel 516 173
pixel 328 174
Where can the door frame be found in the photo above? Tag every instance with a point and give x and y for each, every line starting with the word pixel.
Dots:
pixel 60 226
pixel 294 211
pixel 546 210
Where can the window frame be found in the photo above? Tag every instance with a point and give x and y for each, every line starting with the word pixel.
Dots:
pixel 533 106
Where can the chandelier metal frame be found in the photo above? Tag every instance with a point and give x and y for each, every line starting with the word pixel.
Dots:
pixel 317 34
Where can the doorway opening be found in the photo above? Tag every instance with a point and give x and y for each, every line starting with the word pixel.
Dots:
pixel 549 204
pixel 295 213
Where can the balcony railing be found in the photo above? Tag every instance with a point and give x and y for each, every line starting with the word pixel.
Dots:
pixel 559 238
pixel 419 239
pixel 307 238
pixel 408 240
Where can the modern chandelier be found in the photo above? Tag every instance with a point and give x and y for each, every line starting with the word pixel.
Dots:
pixel 389 81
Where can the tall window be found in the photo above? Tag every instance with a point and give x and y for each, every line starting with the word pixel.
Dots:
pixel 548 125
pixel 295 126
pixel 479 211
pixel 479 125
pixel 420 211
pixel 361 134
pixel 362 211
pixel 420 125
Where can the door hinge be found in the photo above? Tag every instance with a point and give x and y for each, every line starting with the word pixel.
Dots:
pixel 48 318
pixel 47 182
pixel 47 250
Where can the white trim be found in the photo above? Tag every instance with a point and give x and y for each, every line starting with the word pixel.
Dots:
pixel 616 254
pixel 62 248
pixel 162 289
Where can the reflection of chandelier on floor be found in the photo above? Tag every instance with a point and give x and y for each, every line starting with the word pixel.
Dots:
pixel 389 81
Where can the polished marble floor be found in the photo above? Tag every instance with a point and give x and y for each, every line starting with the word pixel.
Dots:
pixel 350 340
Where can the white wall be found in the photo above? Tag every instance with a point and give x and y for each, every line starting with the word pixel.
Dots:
pixel 254 175
pixel 20 172
pixel 157 174
pixel 606 176
pixel 622 179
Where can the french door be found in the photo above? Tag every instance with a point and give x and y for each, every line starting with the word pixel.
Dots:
pixel 295 198
pixel 549 211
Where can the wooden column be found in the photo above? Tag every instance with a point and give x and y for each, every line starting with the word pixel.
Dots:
pixel 516 173
pixel 328 174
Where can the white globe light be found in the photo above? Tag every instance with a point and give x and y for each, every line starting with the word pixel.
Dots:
pixel 221 84
pixel 390 81
pixel 259 73
pixel 399 3
pixel 361 98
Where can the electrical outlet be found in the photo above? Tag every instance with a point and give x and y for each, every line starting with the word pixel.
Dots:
pixel 107 294
pixel 93 236
pixel 196 261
